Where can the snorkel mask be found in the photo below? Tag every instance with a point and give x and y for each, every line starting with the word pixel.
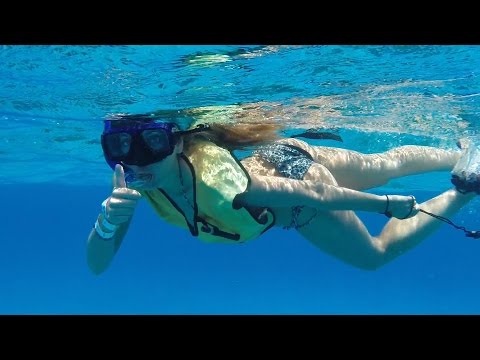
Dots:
pixel 140 140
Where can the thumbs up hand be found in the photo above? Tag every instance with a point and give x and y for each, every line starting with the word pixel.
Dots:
pixel 120 206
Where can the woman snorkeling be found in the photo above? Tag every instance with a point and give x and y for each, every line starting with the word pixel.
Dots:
pixel 193 179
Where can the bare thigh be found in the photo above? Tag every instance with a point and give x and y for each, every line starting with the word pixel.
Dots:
pixel 343 235
pixel 340 234
pixel 358 171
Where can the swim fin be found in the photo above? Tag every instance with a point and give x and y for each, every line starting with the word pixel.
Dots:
pixel 316 134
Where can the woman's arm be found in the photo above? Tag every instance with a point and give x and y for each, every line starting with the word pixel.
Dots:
pixel 282 192
pixel 100 252
pixel 113 224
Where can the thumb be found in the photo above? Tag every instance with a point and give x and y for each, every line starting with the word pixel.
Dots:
pixel 119 177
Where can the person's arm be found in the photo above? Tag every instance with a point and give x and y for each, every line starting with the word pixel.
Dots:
pixel 282 192
pixel 100 251
pixel 112 224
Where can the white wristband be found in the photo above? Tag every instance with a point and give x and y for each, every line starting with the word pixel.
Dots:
pixel 105 223
pixel 104 235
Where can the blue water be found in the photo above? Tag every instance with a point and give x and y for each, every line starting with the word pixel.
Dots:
pixel 53 178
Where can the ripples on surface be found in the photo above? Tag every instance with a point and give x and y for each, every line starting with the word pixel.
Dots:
pixel 53 98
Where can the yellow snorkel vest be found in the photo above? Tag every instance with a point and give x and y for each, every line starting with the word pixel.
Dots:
pixel 218 177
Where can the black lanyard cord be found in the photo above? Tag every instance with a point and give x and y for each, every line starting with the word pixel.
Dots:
pixel 469 233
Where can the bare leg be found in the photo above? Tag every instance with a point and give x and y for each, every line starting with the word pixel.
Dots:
pixel 359 171
pixel 343 235
pixel 401 235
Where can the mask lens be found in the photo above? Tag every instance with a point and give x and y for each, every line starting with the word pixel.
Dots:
pixel 118 144
pixel 156 140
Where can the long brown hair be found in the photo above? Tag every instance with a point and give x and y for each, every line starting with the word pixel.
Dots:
pixel 237 136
